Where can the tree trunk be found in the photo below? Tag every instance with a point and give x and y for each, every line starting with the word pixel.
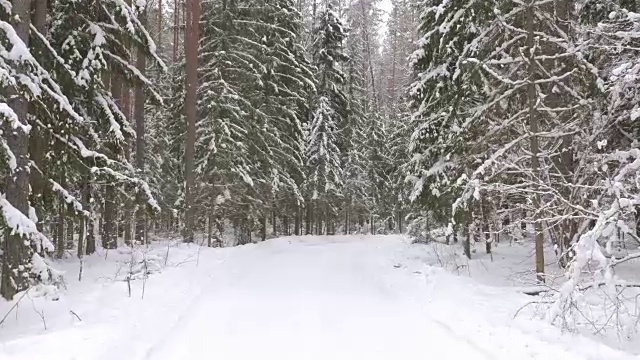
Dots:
pixel 296 228
pixel 38 140
pixel 285 224
pixel 533 128
pixel 60 231
pixel 82 235
pixel 273 222
pixel 127 211
pixel 308 206
pixel 127 217
pixel 70 233
pixel 109 235
pixel 160 24
pixel 367 44
pixel 455 234
pixel 210 221
pixel 318 219
pixel 176 22
pixel 16 254
pixel 467 236
pixel 110 231
pixel 346 216
pixel 191 53
pixel 485 225
pixel 90 246
pixel 570 227
pixel 141 64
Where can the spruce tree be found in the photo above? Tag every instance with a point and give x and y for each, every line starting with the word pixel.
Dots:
pixel 325 177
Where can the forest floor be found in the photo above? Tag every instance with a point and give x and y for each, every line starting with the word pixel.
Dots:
pixel 333 297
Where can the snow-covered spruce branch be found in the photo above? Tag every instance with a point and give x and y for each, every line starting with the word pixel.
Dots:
pixel 32 83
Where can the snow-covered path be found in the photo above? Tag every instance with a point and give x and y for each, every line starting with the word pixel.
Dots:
pixel 322 300
pixel 355 297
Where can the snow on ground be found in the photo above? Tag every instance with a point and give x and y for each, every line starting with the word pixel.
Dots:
pixel 510 264
pixel 339 297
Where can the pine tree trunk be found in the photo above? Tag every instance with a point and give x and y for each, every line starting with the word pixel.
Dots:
pixel 455 234
pixel 467 235
pixel 346 216
pixel 91 238
pixel 191 51
pixel 70 233
pixel 176 24
pixel 367 44
pixel 110 230
pixel 82 235
pixel 38 140
pixel 570 227
pixel 318 219
pixel 308 222
pixel 533 128
pixel 89 222
pixel 160 25
pixel 263 225
pixel 485 225
pixel 210 221
pixel 296 228
pixel 141 65
pixel 109 235
pixel 60 231
pixel 127 211
pixel 127 218
pixel 314 13
pixel 17 255
pixel 273 222
pixel 285 224
pixel 637 207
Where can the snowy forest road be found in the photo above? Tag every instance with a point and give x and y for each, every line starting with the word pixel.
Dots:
pixel 329 298
pixel 314 298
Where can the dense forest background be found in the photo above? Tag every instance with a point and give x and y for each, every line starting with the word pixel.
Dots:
pixel 124 118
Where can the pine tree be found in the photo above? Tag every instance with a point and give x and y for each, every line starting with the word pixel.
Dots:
pixel 441 99
pixel 192 38
pixel 325 176
pixel 16 265
pixel 352 138
pixel 255 87
pixel 65 70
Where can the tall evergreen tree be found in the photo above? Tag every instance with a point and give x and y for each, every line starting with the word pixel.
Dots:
pixel 325 177
pixel 65 70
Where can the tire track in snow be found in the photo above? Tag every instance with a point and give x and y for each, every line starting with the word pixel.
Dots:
pixel 181 319
pixel 447 328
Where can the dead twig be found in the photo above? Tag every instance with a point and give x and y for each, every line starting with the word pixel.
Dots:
pixel 74 314
pixel 530 303
pixel 14 306
pixel 39 312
